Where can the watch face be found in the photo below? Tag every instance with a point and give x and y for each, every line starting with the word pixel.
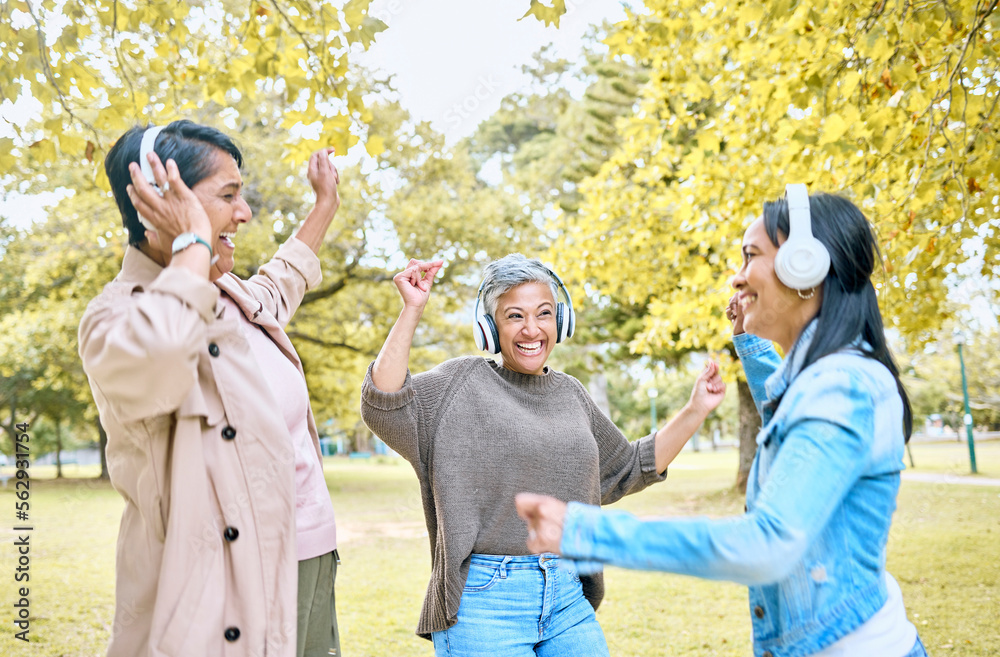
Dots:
pixel 183 241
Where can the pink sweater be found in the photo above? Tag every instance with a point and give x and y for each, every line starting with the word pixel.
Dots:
pixel 315 526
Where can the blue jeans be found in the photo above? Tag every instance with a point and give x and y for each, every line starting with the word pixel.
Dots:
pixel 520 607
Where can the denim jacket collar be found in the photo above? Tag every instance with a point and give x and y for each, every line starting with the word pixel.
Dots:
pixel 791 365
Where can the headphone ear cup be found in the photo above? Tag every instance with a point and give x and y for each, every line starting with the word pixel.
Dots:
pixel 560 322
pixel 485 332
pixel 493 338
pixel 802 263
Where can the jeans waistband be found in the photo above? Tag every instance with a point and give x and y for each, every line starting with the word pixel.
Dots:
pixel 520 562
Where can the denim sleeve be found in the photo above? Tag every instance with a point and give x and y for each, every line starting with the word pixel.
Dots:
pixel 824 451
pixel 760 360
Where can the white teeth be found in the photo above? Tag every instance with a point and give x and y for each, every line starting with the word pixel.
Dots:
pixel 228 235
pixel 747 300
pixel 529 346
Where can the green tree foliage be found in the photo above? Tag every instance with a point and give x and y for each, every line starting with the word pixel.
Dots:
pixel 934 381
pixel 630 403
pixel 47 275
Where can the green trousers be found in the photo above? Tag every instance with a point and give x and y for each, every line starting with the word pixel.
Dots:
pixel 317 628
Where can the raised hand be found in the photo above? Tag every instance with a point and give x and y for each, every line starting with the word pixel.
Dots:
pixel 178 211
pixel 325 180
pixel 734 313
pixel 709 389
pixel 414 283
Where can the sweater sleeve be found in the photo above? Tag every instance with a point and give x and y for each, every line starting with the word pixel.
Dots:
pixel 406 419
pixel 392 416
pixel 626 467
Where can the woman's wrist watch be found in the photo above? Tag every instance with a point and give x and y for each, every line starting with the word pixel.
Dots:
pixel 184 240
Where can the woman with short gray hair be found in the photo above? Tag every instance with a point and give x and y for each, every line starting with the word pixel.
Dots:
pixel 509 272
pixel 477 432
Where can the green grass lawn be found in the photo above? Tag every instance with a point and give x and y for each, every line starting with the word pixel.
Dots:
pixel 943 550
pixel 953 458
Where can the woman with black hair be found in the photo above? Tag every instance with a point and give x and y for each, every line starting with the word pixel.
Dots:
pixel 822 488
pixel 227 542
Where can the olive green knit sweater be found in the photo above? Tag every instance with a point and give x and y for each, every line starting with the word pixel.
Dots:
pixel 477 434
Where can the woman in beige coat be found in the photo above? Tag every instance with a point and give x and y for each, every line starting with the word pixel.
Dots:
pixel 211 440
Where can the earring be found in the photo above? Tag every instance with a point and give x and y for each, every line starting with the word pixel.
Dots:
pixel 812 293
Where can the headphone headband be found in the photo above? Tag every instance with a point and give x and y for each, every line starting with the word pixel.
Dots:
pixel 569 307
pixel 802 261
pixel 145 148
pixel 799 220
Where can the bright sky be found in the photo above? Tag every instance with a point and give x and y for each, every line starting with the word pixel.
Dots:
pixel 455 60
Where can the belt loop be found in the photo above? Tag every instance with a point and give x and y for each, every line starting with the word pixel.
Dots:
pixel 503 567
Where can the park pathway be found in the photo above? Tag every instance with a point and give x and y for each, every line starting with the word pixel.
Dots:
pixel 940 478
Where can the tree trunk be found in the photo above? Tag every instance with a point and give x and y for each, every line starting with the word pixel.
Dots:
pixel 59 474
pixel 749 427
pixel 362 438
pixel 103 441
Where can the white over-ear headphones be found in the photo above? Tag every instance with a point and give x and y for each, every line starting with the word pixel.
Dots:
pixel 802 261
pixel 485 328
pixel 145 148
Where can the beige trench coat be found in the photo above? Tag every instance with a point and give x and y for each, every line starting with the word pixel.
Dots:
pixel 197 446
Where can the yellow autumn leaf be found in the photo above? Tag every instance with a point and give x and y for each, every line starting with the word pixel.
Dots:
pixel 375 145
pixel 834 128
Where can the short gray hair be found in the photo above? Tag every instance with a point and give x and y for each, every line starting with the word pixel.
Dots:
pixel 503 275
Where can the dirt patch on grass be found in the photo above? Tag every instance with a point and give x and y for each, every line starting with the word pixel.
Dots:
pixel 351 531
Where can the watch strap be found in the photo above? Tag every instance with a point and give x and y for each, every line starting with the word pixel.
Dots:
pixel 184 240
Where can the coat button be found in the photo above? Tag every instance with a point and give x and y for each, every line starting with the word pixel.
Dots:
pixel 232 633
pixel 229 433
pixel 767 653
pixel 214 350
pixel 231 534
pixel 758 611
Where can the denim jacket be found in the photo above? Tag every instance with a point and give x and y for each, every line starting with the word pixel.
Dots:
pixel 820 498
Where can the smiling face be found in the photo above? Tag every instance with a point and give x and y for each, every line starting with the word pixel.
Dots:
pixel 219 194
pixel 526 323
pixel 771 310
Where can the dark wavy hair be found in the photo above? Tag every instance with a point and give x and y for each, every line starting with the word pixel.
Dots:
pixel 850 303
pixel 192 146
